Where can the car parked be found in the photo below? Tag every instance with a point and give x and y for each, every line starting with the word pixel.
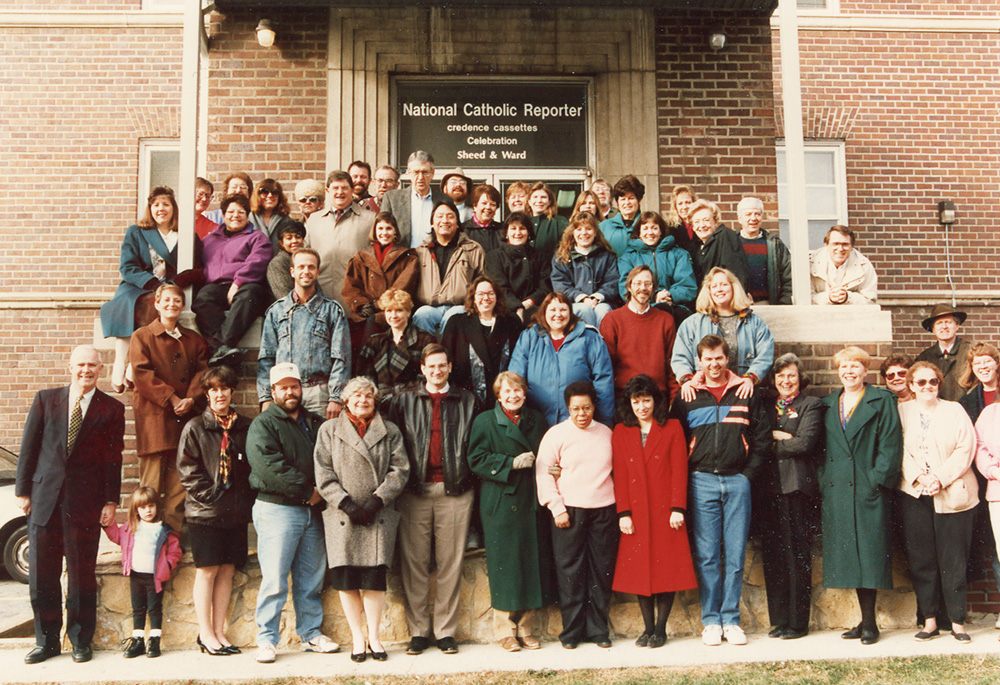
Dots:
pixel 13 523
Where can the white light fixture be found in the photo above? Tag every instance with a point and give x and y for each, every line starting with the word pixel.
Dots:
pixel 717 40
pixel 265 33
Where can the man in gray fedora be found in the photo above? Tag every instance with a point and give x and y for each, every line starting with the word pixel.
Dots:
pixel 949 352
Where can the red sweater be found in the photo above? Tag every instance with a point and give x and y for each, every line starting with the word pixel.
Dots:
pixel 641 343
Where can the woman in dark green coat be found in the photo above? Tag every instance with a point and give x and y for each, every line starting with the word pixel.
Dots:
pixel 864 451
pixel 502 451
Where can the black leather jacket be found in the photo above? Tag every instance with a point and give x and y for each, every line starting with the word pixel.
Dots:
pixel 411 411
pixel 207 502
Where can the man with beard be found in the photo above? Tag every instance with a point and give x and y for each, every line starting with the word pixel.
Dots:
pixel 308 329
pixel 286 516
pixel 361 178
pixel 457 186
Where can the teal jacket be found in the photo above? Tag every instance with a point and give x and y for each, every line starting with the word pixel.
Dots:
pixel 672 270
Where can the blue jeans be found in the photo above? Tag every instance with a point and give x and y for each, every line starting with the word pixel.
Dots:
pixel 591 315
pixel 719 513
pixel 289 540
pixel 433 318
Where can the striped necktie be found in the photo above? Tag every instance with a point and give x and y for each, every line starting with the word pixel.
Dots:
pixel 75 421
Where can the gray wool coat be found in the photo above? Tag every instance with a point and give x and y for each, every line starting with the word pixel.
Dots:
pixel 347 464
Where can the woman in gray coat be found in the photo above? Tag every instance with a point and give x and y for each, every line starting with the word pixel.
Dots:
pixel 361 468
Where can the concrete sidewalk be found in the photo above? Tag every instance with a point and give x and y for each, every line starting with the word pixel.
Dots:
pixel 189 665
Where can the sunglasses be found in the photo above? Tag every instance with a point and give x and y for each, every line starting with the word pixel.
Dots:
pixel 269 191
pixel 933 382
pixel 312 198
pixel 893 375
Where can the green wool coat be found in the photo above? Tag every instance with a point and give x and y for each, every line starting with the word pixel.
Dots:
pixel 857 481
pixel 518 544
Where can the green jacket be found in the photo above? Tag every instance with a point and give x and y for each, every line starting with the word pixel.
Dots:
pixel 281 456
pixel 857 480
pixel 518 542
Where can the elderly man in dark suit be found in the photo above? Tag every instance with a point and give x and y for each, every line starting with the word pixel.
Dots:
pixel 68 484
pixel 412 206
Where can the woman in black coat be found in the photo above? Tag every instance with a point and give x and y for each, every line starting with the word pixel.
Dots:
pixel 521 271
pixel 789 500
pixel 484 200
pixel 481 340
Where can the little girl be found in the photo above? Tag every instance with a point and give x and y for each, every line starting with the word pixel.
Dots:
pixel 586 269
pixel 150 552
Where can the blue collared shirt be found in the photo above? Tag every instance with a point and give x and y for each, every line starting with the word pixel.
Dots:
pixel 420 217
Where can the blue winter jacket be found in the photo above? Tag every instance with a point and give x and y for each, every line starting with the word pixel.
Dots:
pixel 756 345
pixel 587 274
pixel 672 270
pixel 617 233
pixel 583 356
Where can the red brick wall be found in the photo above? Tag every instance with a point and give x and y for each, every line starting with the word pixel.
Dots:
pixel 928 7
pixel 715 109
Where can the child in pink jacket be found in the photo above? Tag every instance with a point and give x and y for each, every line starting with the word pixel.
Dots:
pixel 150 552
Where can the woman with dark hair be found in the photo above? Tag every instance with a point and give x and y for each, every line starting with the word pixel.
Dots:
pixel 587 201
pixel 586 269
pixel 483 227
pixel 864 446
pixel 521 271
pixel 980 379
pixel 938 499
pixel 673 275
pixel 788 500
pixel 627 195
pixel 481 340
pixel 386 263
pixel 148 259
pixel 584 525
pixel 236 183
pixel 549 225
pixel 391 358
pixel 213 468
pixel 893 371
pixel 270 210
pixel 650 468
pixel 291 238
pixel 503 445
pixel 558 350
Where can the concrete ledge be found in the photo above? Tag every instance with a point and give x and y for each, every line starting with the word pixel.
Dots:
pixel 841 324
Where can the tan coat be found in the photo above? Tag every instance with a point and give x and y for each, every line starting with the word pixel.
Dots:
pixel 163 366
pixel 466 265
pixel 337 242
pixel 366 279
pixel 948 456
pixel 347 464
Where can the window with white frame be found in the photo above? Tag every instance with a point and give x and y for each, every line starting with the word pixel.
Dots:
pixel 171 5
pixel 826 189
pixel 159 165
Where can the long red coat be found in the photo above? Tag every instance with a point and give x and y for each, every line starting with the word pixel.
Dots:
pixel 649 482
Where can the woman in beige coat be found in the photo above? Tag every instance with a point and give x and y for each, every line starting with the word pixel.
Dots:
pixel 361 468
pixel 939 495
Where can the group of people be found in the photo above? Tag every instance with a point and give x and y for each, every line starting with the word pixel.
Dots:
pixel 487 374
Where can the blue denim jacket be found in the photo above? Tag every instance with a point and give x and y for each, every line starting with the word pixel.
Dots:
pixel 313 335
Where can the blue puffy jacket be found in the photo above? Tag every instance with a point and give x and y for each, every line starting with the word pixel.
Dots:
pixel 583 356
pixel 617 233
pixel 754 339
pixel 672 270
pixel 587 274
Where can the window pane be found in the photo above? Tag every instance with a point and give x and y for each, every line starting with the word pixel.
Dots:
pixel 164 168
pixel 821 201
pixel 819 167
pixel 817 229
pixel 782 174
pixel 811 4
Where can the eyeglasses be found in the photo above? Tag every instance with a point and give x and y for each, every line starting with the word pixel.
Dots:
pixel 307 200
pixel 933 382
pixel 269 191
pixel 893 375
pixel 203 196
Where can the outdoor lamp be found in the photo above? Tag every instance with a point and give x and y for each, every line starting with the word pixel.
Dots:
pixel 946 212
pixel 717 40
pixel 265 33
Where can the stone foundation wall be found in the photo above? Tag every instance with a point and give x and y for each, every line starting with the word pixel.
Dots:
pixel 832 609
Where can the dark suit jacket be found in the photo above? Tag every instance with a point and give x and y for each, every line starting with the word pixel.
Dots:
pixel 91 474
pixel 398 202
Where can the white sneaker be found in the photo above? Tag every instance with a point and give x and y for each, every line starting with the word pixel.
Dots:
pixel 265 653
pixel 735 635
pixel 712 635
pixel 322 644
pixel 997 624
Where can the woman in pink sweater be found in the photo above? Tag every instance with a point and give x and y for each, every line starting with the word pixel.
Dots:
pixel 573 475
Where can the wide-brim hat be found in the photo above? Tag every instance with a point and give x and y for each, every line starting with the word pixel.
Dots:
pixel 457 172
pixel 943 309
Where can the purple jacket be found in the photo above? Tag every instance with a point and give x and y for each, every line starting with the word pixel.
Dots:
pixel 168 551
pixel 241 258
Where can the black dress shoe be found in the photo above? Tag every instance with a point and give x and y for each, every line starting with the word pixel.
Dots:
pixel 378 656
pixel 153 647
pixel 447 645
pixel 793 634
pixel 656 640
pixel 40 653
pixel 643 640
pixel 570 644
pixel 82 653
pixel 417 645
pixel 602 642
pixel 852 634
pixel 962 637
pixel 134 646
pixel 869 637
pixel 776 631
pixel 359 657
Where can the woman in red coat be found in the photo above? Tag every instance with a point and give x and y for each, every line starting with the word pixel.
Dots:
pixel 650 476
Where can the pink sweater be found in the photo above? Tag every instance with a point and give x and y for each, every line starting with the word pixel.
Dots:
pixel 988 450
pixel 585 458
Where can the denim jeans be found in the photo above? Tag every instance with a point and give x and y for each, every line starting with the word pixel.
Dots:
pixel 591 316
pixel 433 318
pixel 289 540
pixel 719 513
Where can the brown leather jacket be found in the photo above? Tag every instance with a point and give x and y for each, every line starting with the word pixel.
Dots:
pixel 366 279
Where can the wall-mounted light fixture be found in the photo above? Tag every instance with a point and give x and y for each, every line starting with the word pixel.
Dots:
pixel 265 33
pixel 946 212
pixel 717 39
